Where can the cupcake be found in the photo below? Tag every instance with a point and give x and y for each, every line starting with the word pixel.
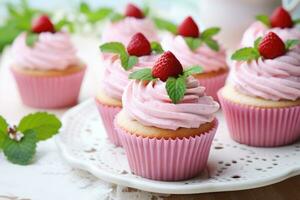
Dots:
pixel 139 54
pixel 261 102
pixel 193 48
pixel 167 123
pixel 280 22
pixel 134 20
pixel 47 71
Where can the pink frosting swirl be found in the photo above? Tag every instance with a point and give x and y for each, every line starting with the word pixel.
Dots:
pixel 52 51
pixel 257 29
pixel 122 31
pixel 271 79
pixel 115 77
pixel 205 57
pixel 150 105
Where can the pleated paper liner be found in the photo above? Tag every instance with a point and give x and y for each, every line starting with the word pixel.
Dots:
pixel 261 127
pixel 107 114
pixel 167 159
pixel 49 92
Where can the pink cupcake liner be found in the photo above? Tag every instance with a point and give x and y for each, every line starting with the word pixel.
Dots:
pixel 167 159
pixel 213 84
pixel 261 127
pixel 108 114
pixel 51 91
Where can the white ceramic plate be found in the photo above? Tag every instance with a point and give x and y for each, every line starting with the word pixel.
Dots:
pixel 231 166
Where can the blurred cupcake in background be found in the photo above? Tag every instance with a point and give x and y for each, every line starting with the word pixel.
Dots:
pixel 280 22
pixel 46 68
pixel 124 26
pixel 167 123
pixel 138 54
pixel 193 47
pixel 261 102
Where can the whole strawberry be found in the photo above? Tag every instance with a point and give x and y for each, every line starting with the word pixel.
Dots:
pixel 139 45
pixel 133 11
pixel 188 28
pixel 42 24
pixel 281 18
pixel 271 46
pixel 167 66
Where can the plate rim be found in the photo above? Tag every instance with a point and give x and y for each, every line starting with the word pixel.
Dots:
pixel 156 186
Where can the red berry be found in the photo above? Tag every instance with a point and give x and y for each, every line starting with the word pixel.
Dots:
pixel 167 66
pixel 133 11
pixel 42 24
pixel 188 28
pixel 139 45
pixel 281 18
pixel 271 46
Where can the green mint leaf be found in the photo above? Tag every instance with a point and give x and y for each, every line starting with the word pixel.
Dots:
pixel 165 25
pixel 257 42
pixel 84 8
pixel 176 88
pixel 193 43
pixel 118 48
pixel 212 44
pixel 20 152
pixel 98 15
pixel 142 74
pixel 43 124
pixel 291 43
pixel 192 70
pixel 132 60
pixel 296 21
pixel 3 130
pixel 146 10
pixel 3 125
pixel 115 17
pixel 210 32
pixel 264 19
pixel 156 47
pixel 64 22
pixel 31 39
pixel 245 54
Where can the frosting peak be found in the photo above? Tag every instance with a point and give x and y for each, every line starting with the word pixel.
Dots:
pixel 205 57
pixel 150 104
pixel 52 51
pixel 271 79
pixel 122 31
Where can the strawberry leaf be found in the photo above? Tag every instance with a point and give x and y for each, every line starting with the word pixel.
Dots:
pixel 156 48
pixel 165 25
pixel 142 74
pixel 43 124
pixel 212 44
pixel 193 43
pixel 210 32
pixel 20 152
pixel 289 44
pixel 176 88
pixel 31 39
pixel 146 10
pixel 264 19
pixel 296 21
pixel 257 42
pixel 84 8
pixel 116 47
pixel 99 14
pixel 192 70
pixel 245 54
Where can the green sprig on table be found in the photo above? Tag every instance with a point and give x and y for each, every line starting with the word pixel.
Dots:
pixel 19 142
